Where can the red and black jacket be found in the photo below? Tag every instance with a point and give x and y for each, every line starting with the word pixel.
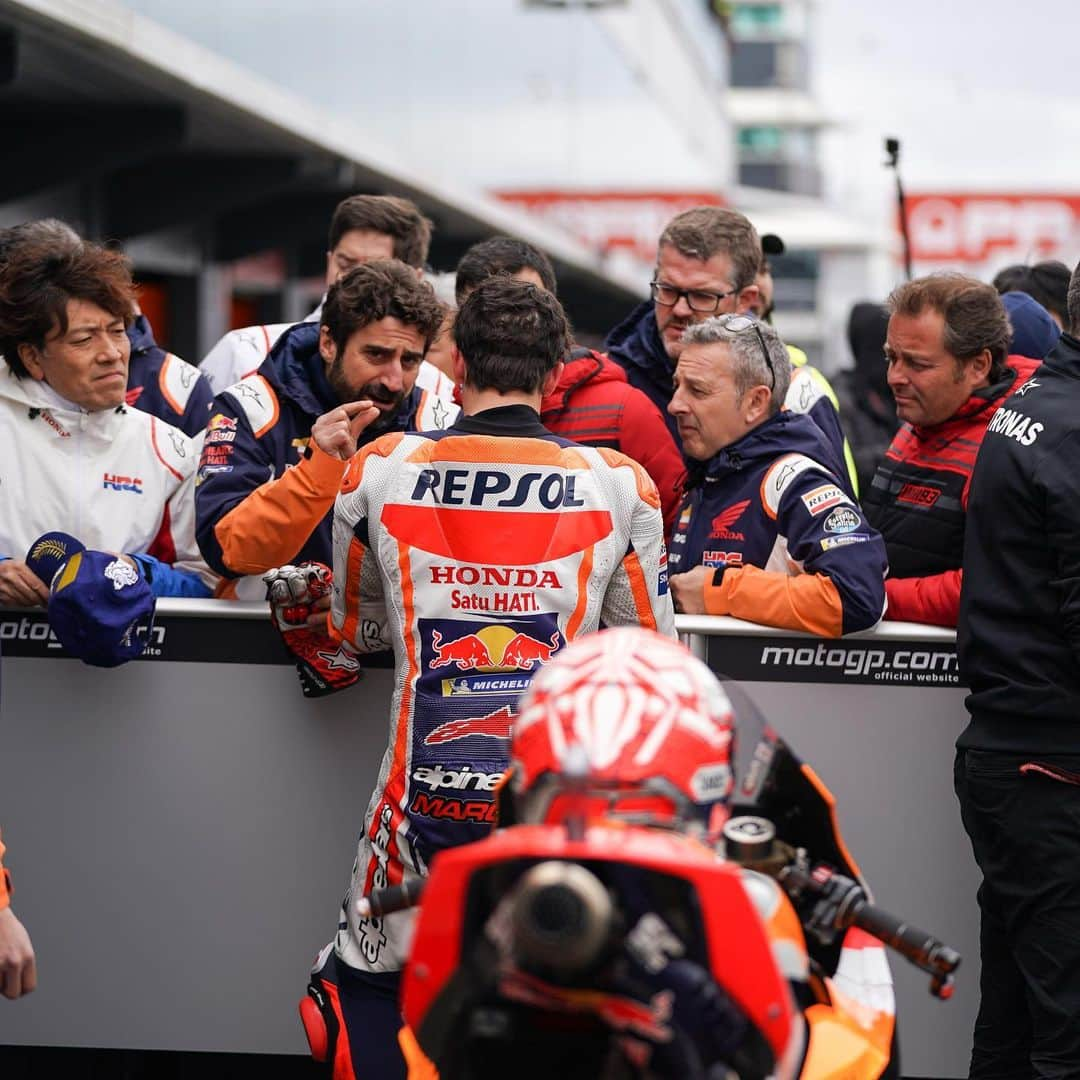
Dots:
pixel 594 404
pixel 918 502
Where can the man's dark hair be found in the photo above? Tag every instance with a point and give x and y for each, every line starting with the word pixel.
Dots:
pixel 1073 322
pixel 385 288
pixel 39 277
pixel 395 217
pixel 1045 282
pixel 504 255
pixel 511 334
pixel 706 231
pixel 975 318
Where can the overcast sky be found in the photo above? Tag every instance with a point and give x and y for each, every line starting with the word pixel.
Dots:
pixel 981 92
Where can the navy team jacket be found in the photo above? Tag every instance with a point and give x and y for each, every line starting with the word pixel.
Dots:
pixel 796 549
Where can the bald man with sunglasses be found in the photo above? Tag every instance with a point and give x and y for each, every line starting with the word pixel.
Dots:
pixel 767 531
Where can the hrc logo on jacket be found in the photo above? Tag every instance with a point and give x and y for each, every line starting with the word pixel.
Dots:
pixel 113 482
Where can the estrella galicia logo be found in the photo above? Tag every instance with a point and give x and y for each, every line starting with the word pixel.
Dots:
pixel 842 520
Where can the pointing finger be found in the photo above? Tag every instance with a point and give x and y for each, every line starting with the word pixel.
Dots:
pixel 361 420
pixel 351 408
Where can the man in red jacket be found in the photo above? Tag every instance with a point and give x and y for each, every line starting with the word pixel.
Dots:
pixel 949 371
pixel 592 403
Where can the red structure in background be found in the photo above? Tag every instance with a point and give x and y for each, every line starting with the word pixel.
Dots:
pixel 982 232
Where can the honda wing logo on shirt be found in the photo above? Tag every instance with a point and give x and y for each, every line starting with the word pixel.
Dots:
pixel 726 518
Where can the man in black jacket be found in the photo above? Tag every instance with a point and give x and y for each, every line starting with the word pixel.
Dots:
pixel 1018 761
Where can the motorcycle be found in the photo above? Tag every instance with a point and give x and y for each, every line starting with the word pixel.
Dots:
pixel 607 949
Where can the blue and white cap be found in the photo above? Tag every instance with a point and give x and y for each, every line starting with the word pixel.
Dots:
pixel 101 607
pixel 49 552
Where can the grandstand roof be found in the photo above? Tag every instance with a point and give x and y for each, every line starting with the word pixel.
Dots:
pixel 153 132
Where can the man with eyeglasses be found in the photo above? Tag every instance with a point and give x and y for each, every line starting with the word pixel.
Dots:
pixel 767 532
pixel 707 263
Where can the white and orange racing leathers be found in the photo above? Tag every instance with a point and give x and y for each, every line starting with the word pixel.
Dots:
pixel 475 553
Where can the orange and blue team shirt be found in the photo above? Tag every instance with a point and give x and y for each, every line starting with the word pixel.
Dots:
pixel 797 549
pixel 163 385
pixel 476 554
pixel 265 493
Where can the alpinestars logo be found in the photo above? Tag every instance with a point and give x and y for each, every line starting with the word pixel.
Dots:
pixel 341 660
pixel 726 518
pixel 370 929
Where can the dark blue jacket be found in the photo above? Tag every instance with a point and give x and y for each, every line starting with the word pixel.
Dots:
pixel 165 386
pixel 635 344
pixel 773 501
pixel 259 431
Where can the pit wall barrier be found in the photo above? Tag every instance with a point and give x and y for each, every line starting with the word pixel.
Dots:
pixel 181 829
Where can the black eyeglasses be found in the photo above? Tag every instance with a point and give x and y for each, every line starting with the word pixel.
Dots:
pixel 739 324
pixel 703 302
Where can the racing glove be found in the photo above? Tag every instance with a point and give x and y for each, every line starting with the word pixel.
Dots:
pixel 321 663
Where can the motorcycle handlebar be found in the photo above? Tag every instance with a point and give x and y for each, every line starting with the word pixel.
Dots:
pixel 381 902
pixel 847 906
pixel 934 957
pixel 841 903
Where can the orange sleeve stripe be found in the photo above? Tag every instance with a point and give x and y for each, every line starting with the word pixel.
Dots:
pixel 807 602
pixel 163 385
pixel 273 523
pixel 577 616
pixel 408 611
pixel 646 489
pixel 771 471
pixel 277 409
pixel 157 450
pixel 639 589
pixel 351 626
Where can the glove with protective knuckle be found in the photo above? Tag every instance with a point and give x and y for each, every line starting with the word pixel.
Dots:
pixel 294 593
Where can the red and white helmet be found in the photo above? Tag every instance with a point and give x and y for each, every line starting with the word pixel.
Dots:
pixel 644 727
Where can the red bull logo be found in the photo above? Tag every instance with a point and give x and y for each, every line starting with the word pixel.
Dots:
pixel 495 725
pixel 524 651
pixel 221 422
pixel 493 648
pixel 467 652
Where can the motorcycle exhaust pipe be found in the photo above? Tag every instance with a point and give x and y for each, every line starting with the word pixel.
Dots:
pixel 562 919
